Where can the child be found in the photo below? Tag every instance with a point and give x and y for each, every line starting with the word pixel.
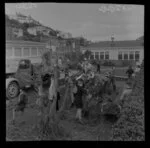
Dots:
pixel 98 68
pixel 126 90
pixel 130 71
pixel 22 102
pixel 112 79
pixel 78 99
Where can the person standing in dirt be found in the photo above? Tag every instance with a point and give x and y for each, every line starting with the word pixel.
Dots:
pixel 127 89
pixel 22 103
pixel 129 71
pixel 112 79
pixel 98 67
pixel 78 93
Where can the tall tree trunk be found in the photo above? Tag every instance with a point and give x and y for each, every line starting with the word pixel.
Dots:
pixel 65 99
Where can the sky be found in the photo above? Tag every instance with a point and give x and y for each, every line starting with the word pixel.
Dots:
pixel 95 22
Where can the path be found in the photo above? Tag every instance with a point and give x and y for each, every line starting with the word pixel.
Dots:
pixel 24 128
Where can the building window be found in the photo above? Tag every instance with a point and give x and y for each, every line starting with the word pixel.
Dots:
pixel 33 52
pixel 137 55
pixel 131 55
pixel 40 52
pixel 92 56
pixel 9 52
pixel 120 56
pixel 102 55
pixel 18 52
pixel 26 52
pixel 97 55
pixel 125 56
pixel 107 55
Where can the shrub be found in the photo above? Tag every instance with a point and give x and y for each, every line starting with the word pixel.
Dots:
pixel 130 126
pixel 108 63
pixel 126 63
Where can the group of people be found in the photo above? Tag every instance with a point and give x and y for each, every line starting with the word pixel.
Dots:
pixel 78 91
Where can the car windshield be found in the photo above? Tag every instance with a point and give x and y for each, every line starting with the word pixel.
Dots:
pixel 24 64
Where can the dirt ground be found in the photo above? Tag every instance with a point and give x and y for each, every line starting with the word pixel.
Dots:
pixel 24 128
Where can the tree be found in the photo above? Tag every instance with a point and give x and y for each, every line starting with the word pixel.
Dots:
pixel 49 124
pixel 25 26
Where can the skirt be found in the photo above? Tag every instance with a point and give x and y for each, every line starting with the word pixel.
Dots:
pixel 78 102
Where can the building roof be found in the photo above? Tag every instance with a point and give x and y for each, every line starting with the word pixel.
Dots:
pixel 129 43
pixel 140 38
pixel 22 43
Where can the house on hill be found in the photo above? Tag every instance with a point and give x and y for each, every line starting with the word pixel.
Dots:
pixel 41 29
pixel 23 19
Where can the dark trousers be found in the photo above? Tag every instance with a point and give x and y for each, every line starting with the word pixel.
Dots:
pixel 57 102
pixel 113 83
pixel 98 70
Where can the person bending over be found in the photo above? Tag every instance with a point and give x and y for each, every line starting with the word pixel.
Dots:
pixel 22 103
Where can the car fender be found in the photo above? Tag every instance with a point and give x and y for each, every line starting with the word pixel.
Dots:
pixel 8 80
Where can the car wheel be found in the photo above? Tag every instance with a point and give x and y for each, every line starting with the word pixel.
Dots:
pixel 12 90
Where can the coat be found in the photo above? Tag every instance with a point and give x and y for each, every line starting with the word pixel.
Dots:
pixel 78 97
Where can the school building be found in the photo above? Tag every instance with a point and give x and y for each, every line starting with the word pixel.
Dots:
pixel 117 50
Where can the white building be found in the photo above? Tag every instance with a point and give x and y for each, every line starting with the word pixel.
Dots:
pixel 17 50
pixel 65 35
pixel 32 30
pixel 42 29
pixel 120 50
pixel 18 32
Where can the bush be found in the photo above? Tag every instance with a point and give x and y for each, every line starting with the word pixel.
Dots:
pixel 118 63
pixel 108 63
pixel 126 63
pixel 130 126
pixel 73 65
